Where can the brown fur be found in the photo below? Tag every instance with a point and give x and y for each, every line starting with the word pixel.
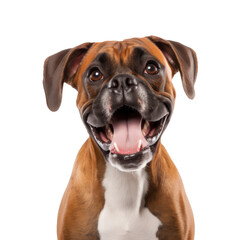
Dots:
pixel 167 199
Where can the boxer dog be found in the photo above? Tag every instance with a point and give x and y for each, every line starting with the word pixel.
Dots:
pixel 124 185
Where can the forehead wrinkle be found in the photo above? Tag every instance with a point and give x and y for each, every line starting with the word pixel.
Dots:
pixel 118 51
pixel 121 52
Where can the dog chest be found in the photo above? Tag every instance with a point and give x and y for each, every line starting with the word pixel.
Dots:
pixel 124 215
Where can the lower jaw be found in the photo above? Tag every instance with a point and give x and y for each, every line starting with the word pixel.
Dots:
pixel 131 162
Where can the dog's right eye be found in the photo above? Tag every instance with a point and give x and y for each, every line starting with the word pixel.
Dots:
pixel 95 75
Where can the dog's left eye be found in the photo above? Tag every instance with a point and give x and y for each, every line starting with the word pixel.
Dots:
pixel 151 68
pixel 95 75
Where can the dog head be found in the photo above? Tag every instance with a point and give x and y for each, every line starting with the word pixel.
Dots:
pixel 125 92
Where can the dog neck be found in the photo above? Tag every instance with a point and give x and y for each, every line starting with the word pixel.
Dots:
pixel 125 190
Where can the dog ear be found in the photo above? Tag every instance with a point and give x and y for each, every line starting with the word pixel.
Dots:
pixel 59 68
pixel 181 58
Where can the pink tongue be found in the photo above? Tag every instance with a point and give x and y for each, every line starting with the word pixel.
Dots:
pixel 127 137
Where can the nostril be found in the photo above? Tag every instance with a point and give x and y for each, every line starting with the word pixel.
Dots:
pixel 128 81
pixel 131 82
pixel 115 83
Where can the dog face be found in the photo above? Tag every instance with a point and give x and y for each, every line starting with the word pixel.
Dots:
pixel 125 92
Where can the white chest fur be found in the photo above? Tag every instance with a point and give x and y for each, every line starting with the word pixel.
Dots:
pixel 124 216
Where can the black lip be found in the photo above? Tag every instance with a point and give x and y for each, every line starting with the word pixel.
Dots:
pixel 104 145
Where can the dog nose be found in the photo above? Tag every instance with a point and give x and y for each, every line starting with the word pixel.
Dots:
pixel 122 82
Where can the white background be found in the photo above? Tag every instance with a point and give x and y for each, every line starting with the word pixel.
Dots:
pixel 38 147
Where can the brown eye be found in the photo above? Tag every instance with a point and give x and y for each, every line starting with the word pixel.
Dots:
pixel 96 75
pixel 151 69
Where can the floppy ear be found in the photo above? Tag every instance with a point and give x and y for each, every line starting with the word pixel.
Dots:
pixel 59 68
pixel 181 58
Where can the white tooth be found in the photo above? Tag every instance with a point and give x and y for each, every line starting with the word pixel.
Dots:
pixel 139 145
pixel 145 127
pixel 109 131
pixel 110 134
pixel 116 147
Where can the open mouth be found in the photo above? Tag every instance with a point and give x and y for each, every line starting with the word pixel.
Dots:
pixel 127 133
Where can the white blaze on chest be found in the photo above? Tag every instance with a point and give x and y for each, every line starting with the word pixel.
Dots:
pixel 124 216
